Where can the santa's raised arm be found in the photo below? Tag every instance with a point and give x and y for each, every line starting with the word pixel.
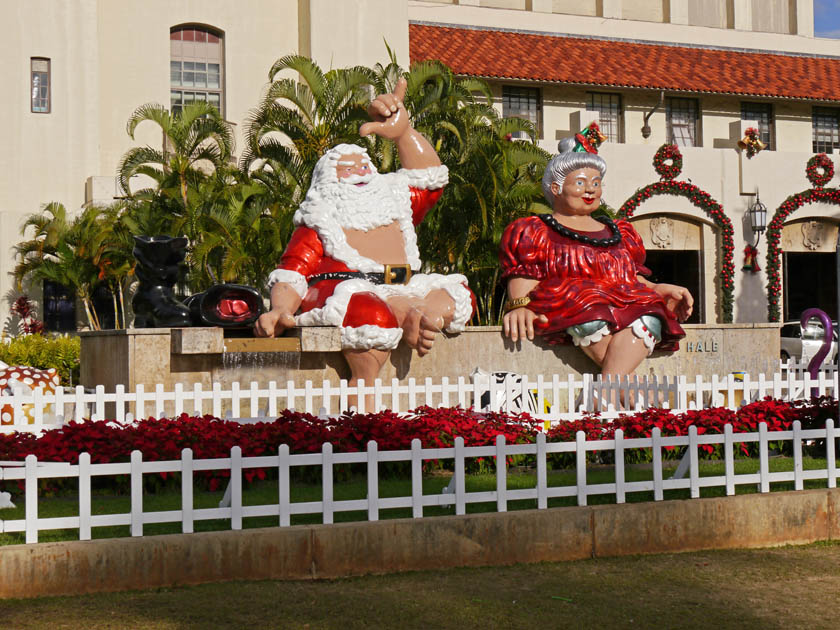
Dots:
pixel 353 262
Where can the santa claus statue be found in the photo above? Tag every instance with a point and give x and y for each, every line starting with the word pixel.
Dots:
pixel 353 262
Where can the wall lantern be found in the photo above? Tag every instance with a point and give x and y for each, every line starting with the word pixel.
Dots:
pixel 758 223
pixel 758 218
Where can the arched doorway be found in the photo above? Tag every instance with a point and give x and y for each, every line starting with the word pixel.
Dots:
pixel 809 266
pixel 679 250
pixel 668 163
pixel 819 171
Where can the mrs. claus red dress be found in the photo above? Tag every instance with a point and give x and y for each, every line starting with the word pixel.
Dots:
pixel 580 282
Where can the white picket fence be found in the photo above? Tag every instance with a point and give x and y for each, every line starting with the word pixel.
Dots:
pixel 798 366
pixel 31 471
pixel 557 398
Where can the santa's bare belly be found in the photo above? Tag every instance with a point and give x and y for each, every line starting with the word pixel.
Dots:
pixel 384 244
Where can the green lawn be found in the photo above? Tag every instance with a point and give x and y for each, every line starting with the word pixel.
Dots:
pixel 762 589
pixel 265 492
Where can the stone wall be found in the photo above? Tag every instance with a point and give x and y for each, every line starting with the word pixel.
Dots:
pixel 165 356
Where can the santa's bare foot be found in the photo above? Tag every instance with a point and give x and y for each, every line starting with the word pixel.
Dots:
pixel 420 331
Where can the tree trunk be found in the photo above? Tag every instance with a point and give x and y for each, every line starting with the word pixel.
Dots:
pixel 93 322
pixel 116 309
pixel 122 302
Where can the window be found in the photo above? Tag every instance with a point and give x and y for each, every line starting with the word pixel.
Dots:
pixel 826 126
pixel 196 67
pixel 610 117
pixel 523 102
pixel 40 83
pixel 683 119
pixel 59 307
pixel 763 113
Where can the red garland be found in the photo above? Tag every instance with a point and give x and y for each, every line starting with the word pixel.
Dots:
pixel 774 249
pixel 788 207
pixel 701 199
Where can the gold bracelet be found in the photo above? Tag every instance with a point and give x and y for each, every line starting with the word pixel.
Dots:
pixel 511 305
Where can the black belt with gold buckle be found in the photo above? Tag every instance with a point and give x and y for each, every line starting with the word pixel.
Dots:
pixel 394 274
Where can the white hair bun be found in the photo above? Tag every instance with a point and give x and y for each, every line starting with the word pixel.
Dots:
pixel 567 145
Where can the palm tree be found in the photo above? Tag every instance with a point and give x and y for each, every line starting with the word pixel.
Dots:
pixel 50 228
pixel 115 259
pixel 298 120
pixel 245 237
pixel 492 179
pixel 68 253
pixel 195 140
pixel 197 144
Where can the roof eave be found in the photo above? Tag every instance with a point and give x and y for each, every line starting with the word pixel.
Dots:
pixel 648 88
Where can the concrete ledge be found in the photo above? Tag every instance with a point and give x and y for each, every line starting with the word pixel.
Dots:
pixel 165 356
pixel 331 551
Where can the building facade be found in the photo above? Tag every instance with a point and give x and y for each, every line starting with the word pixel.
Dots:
pixel 696 73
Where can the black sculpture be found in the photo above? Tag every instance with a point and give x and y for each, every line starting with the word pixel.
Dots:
pixel 230 306
pixel 158 264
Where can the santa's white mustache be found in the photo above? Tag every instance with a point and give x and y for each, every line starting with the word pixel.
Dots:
pixel 357 179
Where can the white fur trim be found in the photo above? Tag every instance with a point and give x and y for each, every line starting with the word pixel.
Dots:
pixel 294 279
pixel 590 339
pixel 430 178
pixel 640 330
pixel 455 285
pixel 370 337
pixel 335 307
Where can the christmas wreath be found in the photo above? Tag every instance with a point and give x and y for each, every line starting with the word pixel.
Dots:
pixel 820 170
pixel 668 153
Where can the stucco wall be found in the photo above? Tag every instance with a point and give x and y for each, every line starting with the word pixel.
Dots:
pixel 107 58
pixel 638 20
pixel 45 157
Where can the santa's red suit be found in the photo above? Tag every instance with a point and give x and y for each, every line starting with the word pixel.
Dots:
pixel 358 305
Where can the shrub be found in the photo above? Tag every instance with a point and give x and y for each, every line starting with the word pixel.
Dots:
pixel 211 437
pixel 44 352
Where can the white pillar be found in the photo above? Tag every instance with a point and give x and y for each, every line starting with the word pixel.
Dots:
pixel 679 11
pixel 743 15
pixel 364 27
pixel 611 8
pixel 540 6
pixel 805 18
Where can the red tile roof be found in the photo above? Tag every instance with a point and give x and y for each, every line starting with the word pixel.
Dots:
pixel 565 59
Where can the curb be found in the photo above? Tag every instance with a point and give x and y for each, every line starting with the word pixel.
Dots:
pixel 349 549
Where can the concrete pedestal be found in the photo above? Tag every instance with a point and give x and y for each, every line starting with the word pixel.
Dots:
pixel 150 356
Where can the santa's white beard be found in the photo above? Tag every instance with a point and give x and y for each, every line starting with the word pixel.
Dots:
pixel 332 206
pixel 381 200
